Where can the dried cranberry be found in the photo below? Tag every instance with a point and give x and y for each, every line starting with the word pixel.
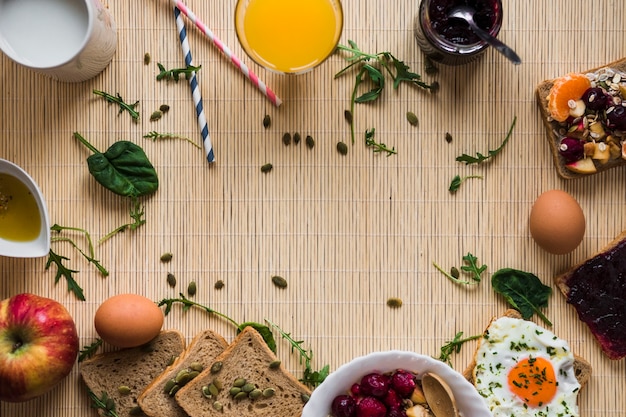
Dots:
pixel 392 400
pixel 571 149
pixel 375 385
pixel 617 118
pixel 370 407
pixel 343 406
pixel 397 413
pixel 595 99
pixel 403 382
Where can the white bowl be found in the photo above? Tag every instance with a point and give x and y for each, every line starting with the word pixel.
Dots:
pixel 40 246
pixel 469 402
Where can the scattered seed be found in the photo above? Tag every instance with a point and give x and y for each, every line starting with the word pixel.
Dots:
pixel 218 384
pixel 247 388
pixel 268 392
pixel 219 284
pixel 166 257
pixel 135 411
pixel 213 390
pixel 239 382
pixel 342 148
pixel 234 391
pixel 196 366
pixel 412 118
pixel 434 87
pixel 287 139
pixel 448 137
pixel 267 121
pixel 174 390
pixel 305 398
pixel 216 367
pixel 110 404
pixel 171 279
pixel 266 168
pixel 280 282
pixel 156 115
pixel 275 364
pixel 296 138
pixel 169 385
pixel 147 58
pixel 192 288
pixel 455 272
pixel 242 395
pixel 182 376
pixel 348 115
pixel 123 390
pixel 394 302
pixel 217 406
pixel 164 108
pixel 429 67
pixel 205 391
pixel 255 393
pixel 310 142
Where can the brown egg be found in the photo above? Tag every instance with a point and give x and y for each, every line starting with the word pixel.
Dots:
pixel 557 223
pixel 128 320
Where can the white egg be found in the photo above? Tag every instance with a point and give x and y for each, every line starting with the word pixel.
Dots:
pixel 524 370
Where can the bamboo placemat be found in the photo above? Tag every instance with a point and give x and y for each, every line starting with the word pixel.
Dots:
pixel 346 232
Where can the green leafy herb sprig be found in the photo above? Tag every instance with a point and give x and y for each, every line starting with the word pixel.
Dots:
pixel 377 147
pixel 310 377
pixel 373 67
pixel 454 346
pixel 117 99
pixel 104 403
pixel 524 291
pixel 125 170
pixel 480 158
pixel 470 267
pixel 175 73
pixel 88 351
pixel 162 136
pixel 64 271
pixel 456 182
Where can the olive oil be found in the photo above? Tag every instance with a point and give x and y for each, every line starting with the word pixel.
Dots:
pixel 20 219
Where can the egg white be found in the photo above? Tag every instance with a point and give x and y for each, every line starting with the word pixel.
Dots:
pixel 508 341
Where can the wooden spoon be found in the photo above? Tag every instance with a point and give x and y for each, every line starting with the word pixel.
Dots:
pixel 439 396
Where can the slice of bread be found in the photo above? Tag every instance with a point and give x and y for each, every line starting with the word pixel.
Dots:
pixel 203 349
pixel 582 368
pixel 247 358
pixel 552 129
pixel 602 297
pixel 124 374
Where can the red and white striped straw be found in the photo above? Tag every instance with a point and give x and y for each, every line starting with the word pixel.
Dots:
pixel 229 54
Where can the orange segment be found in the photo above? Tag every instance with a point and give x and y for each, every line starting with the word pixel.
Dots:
pixel 569 87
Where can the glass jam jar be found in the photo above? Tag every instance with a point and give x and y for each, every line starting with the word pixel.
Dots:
pixel 451 41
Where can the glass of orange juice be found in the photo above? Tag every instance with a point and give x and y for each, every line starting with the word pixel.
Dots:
pixel 289 36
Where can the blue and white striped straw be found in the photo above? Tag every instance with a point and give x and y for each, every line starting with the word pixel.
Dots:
pixel 195 88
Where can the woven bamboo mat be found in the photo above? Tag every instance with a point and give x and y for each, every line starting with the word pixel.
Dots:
pixel 346 232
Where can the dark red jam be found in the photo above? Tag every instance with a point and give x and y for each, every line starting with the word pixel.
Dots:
pixel 598 292
pixel 456 30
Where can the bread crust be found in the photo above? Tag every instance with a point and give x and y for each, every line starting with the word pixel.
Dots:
pixel 541 93
pixel 582 368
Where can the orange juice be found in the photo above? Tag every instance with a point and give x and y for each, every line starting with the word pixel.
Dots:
pixel 289 35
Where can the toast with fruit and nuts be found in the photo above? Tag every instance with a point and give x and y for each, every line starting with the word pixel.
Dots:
pixel 585 119
pixel 596 288
pixel 157 399
pixel 245 380
pixel 123 374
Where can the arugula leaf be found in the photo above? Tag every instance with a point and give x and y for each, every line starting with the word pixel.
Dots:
pixel 454 346
pixel 458 180
pixel 479 158
pixel 88 351
pixel 263 330
pixel 377 79
pixel 523 291
pixel 117 99
pixel 376 146
pixel 63 271
pixel 472 268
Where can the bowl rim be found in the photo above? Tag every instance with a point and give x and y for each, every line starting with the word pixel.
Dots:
pixel 469 402
pixel 41 245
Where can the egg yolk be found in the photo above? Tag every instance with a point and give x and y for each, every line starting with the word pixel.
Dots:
pixel 533 381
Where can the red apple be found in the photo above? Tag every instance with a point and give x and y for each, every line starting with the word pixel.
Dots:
pixel 38 346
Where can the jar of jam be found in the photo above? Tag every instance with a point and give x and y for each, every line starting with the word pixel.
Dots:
pixel 450 41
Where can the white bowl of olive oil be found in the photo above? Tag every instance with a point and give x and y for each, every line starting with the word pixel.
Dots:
pixel 24 222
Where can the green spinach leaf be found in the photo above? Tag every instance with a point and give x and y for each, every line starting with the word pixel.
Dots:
pixel 523 291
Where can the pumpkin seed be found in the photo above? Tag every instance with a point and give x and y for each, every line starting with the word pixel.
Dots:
pixel 166 257
pixel 255 393
pixel 171 361
pixel 274 364
pixel 109 404
pixel 248 388
pixel 181 376
pixel 310 142
pixel 234 391
pixel 412 118
pixel 348 116
pixel 192 288
pixel 342 148
pixel 193 374
pixel 239 382
pixel 280 282
pixel 219 284
pixel 287 139
pixel 305 398
pixel 174 390
pixel 205 391
pixel 434 87
pixel 269 392
pixel 240 396
pixel 147 58
pixel 266 168
pixel 218 384
pixel 171 279
pixel 296 138
pixel 164 108
pixel 455 272
pixel 135 411
pixel 196 366
pixel 267 121
pixel 213 390
pixel 156 115
pixel 123 390
pixel 169 385
pixel 448 137
pixel 217 406
pixel 394 302
pixel 216 367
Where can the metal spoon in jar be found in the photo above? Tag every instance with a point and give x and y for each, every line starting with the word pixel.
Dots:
pixel 467 13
